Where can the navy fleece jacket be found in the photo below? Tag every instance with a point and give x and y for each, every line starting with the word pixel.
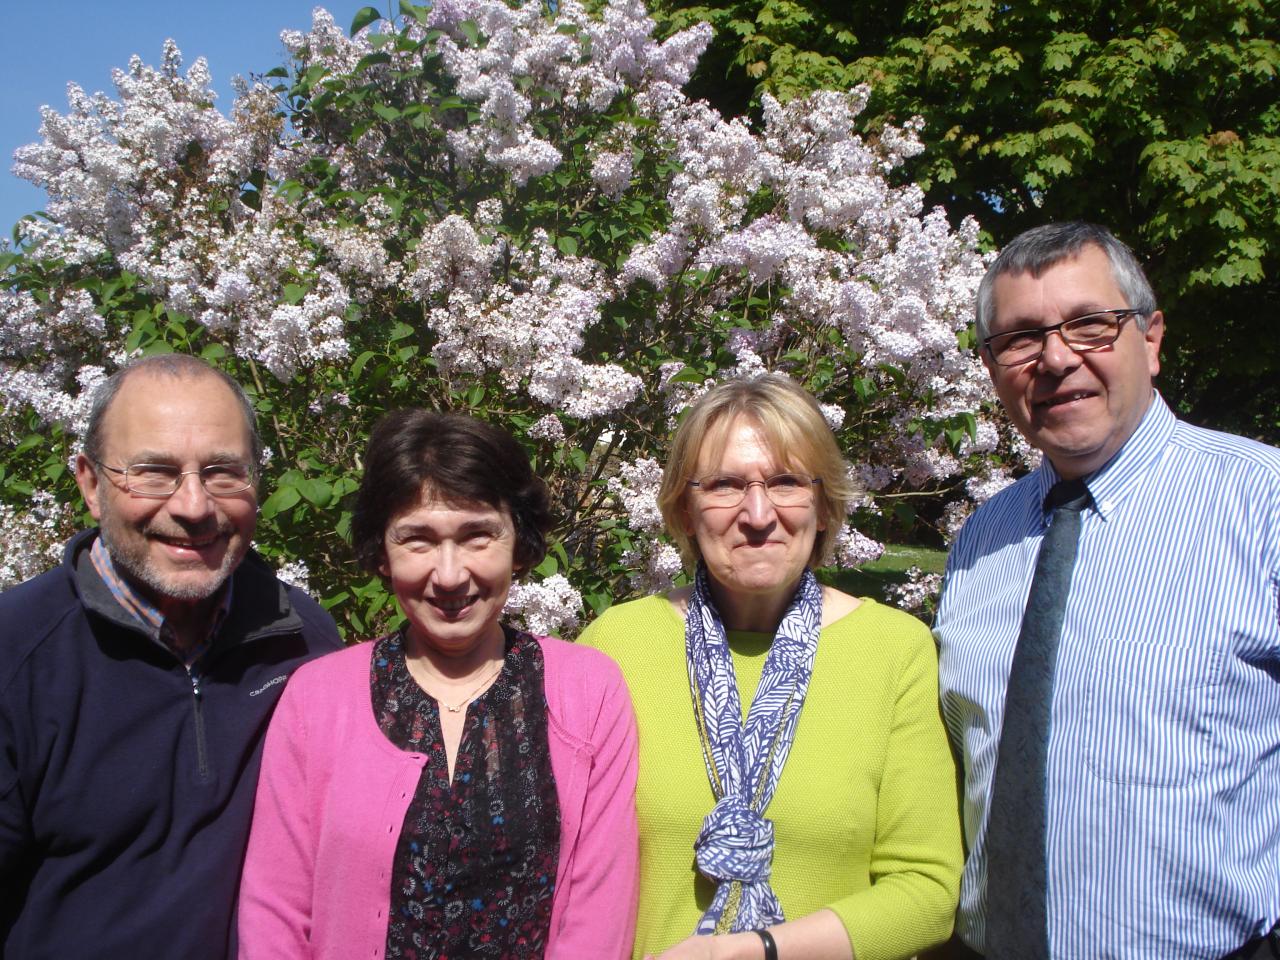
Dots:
pixel 127 784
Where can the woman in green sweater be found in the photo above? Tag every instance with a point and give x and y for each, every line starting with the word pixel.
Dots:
pixel 797 797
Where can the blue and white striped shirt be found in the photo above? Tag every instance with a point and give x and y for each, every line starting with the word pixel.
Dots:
pixel 1163 779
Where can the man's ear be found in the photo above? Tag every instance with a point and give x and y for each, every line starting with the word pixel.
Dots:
pixel 89 482
pixel 1154 335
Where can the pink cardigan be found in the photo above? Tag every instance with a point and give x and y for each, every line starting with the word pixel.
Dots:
pixel 334 792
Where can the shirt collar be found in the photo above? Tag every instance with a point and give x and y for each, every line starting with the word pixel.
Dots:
pixel 1120 475
pixel 147 614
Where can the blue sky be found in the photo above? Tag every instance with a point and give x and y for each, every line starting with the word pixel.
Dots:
pixel 43 48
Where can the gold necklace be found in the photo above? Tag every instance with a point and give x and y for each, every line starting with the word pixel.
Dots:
pixel 456 707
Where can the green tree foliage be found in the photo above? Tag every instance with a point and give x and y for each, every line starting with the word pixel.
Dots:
pixel 1160 119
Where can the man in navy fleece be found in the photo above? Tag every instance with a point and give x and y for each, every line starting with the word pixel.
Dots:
pixel 137 679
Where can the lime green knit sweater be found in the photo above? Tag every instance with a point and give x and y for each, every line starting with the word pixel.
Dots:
pixel 865 816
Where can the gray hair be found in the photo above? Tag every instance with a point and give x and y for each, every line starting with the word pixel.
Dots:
pixel 179 366
pixel 1036 250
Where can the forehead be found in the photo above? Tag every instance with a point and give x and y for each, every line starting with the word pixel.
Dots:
pixel 741 440
pixel 1076 285
pixel 431 511
pixel 195 418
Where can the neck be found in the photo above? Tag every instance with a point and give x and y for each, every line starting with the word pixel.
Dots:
pixel 754 612
pixel 189 620
pixel 444 668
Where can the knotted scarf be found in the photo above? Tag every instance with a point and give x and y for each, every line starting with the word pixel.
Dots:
pixel 735 846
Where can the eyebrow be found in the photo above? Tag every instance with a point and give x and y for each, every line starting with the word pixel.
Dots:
pixel 150 456
pixel 1080 310
pixel 401 531
pixel 161 457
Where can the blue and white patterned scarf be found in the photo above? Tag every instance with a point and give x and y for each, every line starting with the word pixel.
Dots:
pixel 735 847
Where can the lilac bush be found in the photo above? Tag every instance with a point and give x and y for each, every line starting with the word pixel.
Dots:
pixel 512 211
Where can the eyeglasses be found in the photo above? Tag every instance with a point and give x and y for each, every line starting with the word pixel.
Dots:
pixel 1093 331
pixel 783 489
pixel 163 480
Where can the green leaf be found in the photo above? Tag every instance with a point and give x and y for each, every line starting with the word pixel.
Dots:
pixel 471 30
pixel 316 491
pixel 337 599
pixel 360 362
pixel 687 374
pixel 567 245
pixel 419 13
pixel 372 59
pixel 283 498
pixel 364 16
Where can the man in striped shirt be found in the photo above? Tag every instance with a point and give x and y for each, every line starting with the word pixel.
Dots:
pixel 1162 777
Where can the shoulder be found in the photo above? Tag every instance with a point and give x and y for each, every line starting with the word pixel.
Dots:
pixel 1011 501
pixel 332 676
pixel 836 604
pixel 622 620
pixel 45 609
pixel 41 598
pixel 638 635
pixel 318 628
pixel 577 665
pixel 883 624
pixel 879 638
pixel 262 601
pixel 1233 453
pixel 1009 515
pixel 584 688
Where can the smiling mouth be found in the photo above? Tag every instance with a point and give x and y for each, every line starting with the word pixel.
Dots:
pixel 1062 399
pixel 453 606
pixel 187 543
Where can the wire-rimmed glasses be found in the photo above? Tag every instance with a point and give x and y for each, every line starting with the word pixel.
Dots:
pixel 782 489
pixel 162 480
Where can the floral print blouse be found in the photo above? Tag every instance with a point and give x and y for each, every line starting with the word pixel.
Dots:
pixel 475 864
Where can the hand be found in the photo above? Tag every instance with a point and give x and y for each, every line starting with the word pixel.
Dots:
pixel 733 946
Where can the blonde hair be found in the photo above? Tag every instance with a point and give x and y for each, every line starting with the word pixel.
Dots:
pixel 792 425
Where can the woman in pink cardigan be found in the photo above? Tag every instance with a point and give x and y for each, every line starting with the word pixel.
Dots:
pixel 458 788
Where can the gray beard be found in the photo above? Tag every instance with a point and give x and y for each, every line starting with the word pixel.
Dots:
pixel 137 570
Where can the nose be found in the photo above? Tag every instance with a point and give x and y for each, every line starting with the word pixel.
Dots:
pixel 191 501
pixel 450 573
pixel 1057 358
pixel 757 509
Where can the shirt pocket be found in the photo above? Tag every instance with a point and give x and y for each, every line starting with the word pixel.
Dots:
pixel 1150 710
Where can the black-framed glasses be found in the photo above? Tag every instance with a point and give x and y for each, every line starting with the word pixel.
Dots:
pixel 782 489
pixel 1093 331
pixel 163 480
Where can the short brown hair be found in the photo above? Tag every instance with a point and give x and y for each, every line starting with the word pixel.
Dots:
pixel 461 460
pixel 797 434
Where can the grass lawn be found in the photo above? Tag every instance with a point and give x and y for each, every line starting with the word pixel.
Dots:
pixel 874 579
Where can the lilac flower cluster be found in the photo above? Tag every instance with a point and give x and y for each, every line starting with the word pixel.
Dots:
pixel 781 246
pixel 552 605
